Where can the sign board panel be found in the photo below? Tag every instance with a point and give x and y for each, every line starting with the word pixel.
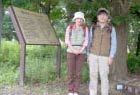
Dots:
pixel 36 28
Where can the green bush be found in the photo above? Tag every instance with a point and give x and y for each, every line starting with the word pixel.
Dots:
pixel 9 53
pixel 133 63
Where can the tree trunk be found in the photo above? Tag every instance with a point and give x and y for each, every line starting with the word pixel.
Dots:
pixel 119 68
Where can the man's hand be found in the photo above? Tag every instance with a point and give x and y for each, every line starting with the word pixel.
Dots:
pixel 110 60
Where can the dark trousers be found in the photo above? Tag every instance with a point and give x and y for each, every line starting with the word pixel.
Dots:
pixel 75 63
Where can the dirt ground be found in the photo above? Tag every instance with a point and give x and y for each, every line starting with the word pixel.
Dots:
pixel 55 88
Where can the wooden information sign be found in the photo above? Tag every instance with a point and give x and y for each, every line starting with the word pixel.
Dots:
pixel 33 29
pixel 36 28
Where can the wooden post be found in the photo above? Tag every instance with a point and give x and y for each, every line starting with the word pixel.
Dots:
pixel 22 45
pixel 22 64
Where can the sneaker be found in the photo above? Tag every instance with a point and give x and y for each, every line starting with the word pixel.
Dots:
pixel 75 94
pixel 70 94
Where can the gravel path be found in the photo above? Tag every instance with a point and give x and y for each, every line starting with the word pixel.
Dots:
pixel 55 88
pixel 59 87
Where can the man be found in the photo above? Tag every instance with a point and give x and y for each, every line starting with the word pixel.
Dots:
pixel 102 51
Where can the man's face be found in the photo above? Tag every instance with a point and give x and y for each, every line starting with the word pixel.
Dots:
pixel 102 17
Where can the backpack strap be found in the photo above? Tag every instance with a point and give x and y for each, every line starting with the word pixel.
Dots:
pixel 70 29
pixel 110 27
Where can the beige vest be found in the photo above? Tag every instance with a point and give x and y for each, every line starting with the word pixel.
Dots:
pixel 101 41
pixel 77 38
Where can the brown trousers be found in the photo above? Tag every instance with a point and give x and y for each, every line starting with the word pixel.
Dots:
pixel 75 63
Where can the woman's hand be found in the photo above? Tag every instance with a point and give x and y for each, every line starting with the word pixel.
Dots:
pixel 82 49
pixel 76 51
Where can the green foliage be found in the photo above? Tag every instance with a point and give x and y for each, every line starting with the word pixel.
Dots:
pixel 58 18
pixel 9 53
pixel 40 63
pixel 9 62
pixel 133 63
pixel 64 63
pixel 8 28
pixel 85 73
pixel 26 4
pixel 134 10
pixel 117 20
pixel 8 74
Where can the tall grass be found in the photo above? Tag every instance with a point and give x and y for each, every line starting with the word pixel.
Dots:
pixel 9 61
pixel 40 64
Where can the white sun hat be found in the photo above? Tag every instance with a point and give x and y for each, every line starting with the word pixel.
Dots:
pixel 78 15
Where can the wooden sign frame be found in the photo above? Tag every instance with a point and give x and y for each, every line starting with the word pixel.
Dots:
pixel 42 35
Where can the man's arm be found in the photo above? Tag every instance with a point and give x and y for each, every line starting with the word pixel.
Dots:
pixel 113 43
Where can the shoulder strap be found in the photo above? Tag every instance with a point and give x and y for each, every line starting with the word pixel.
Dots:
pixel 70 28
pixel 84 29
pixel 110 27
pixel 92 29
pixel 72 25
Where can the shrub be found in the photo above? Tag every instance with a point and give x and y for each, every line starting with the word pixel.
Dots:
pixel 133 63
pixel 9 53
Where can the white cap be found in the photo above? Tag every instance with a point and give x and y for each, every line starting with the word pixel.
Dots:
pixel 78 15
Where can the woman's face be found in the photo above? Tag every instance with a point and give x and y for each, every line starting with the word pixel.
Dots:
pixel 79 21
pixel 102 17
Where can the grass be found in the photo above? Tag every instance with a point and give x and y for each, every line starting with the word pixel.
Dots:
pixel 40 63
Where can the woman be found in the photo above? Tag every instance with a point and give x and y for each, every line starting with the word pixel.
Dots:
pixel 76 39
